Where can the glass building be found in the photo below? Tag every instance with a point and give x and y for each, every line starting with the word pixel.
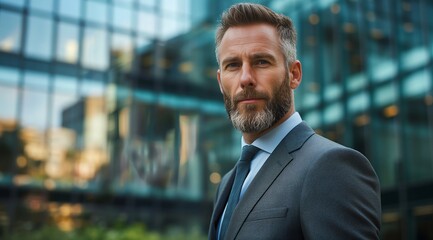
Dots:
pixel 110 110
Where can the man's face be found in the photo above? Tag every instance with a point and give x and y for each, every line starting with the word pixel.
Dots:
pixel 253 77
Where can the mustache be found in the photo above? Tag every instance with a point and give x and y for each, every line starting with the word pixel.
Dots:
pixel 249 94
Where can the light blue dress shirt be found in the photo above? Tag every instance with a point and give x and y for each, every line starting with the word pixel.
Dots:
pixel 267 143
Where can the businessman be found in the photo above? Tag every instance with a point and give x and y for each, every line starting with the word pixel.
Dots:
pixel 289 182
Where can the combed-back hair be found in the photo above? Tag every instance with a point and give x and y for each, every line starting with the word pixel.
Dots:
pixel 251 13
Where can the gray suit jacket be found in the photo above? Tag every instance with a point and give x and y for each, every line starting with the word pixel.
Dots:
pixel 308 188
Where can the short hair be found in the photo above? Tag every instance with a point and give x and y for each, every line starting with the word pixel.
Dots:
pixel 250 13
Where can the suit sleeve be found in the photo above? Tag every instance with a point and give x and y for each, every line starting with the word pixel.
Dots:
pixel 340 197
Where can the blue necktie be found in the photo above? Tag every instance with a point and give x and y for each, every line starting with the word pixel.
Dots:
pixel 242 169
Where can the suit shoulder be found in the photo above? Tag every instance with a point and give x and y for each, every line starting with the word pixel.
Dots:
pixel 323 144
pixel 320 149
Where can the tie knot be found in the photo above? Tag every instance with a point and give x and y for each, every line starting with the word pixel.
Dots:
pixel 248 152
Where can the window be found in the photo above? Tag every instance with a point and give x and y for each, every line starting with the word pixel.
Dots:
pixel 122 18
pixel 8 101
pixel 146 23
pixel 148 3
pixel 10 31
pixel 17 3
pixel 67 43
pixel 39 38
pixel 35 100
pixel 64 96
pixel 96 12
pixel 124 2
pixel 8 76
pixel 42 5
pixel 70 8
pixel 95 49
pixel 170 27
pixel 121 51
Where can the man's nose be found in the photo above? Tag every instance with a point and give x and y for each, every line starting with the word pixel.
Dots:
pixel 247 77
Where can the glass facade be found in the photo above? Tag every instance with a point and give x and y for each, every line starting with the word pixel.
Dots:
pixel 110 112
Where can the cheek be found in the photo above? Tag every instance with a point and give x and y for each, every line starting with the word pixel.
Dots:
pixel 275 86
pixel 227 86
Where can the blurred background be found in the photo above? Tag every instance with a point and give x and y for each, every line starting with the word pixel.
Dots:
pixel 112 125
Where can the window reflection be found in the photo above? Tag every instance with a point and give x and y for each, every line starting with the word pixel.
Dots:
pixel 121 51
pixel 64 95
pixel 387 136
pixel 176 17
pixel 35 101
pixel 146 23
pixel 142 43
pixel 170 27
pixel 96 12
pixel 60 157
pixel 67 43
pixel 124 2
pixel 10 31
pixel 36 80
pixel 42 5
pixel 88 118
pixel 189 177
pixel 149 3
pixel 92 87
pixel 8 104
pixel 122 17
pixel 95 49
pixel 148 151
pixel 8 112
pixel 17 3
pixel 39 39
pixel 70 8
pixel 8 124
pixel 171 7
pixel 34 109
pixel 33 121
pixel 8 76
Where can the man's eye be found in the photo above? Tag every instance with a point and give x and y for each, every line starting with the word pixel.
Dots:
pixel 232 65
pixel 262 62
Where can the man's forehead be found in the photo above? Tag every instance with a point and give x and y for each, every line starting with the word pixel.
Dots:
pixel 250 30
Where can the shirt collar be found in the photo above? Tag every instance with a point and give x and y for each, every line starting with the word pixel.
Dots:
pixel 271 139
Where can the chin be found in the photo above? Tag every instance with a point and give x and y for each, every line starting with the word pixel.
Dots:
pixel 250 108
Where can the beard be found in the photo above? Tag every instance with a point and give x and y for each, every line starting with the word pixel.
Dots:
pixel 253 120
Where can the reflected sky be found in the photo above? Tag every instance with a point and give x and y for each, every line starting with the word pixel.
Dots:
pixel 39 38
pixel 67 42
pixel 10 33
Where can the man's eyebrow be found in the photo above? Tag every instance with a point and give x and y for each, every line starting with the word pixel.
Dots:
pixel 253 56
pixel 263 55
pixel 229 59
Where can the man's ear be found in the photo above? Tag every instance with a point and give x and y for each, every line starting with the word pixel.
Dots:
pixel 295 72
pixel 219 80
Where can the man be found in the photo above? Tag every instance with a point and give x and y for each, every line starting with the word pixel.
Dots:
pixel 299 184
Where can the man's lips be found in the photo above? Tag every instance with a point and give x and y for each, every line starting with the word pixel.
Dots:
pixel 250 100
pixel 249 97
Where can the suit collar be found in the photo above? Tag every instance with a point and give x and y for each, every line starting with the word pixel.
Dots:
pixel 269 141
pixel 297 137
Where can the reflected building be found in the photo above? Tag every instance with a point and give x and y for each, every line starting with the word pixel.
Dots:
pixel 112 108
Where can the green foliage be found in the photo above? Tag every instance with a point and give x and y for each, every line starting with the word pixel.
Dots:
pixel 135 231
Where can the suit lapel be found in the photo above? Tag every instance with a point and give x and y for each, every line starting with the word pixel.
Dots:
pixel 273 166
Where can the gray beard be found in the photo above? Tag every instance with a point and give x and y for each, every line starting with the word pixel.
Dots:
pixel 256 121
pixel 252 122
